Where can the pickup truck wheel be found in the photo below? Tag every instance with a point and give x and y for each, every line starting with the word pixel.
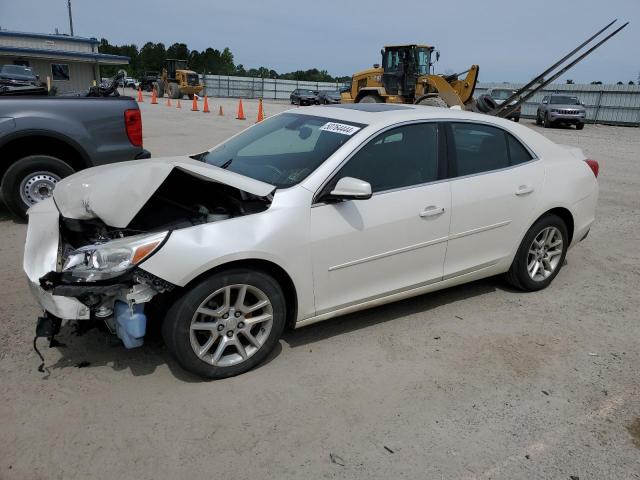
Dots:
pixel 226 324
pixel 30 180
pixel 579 126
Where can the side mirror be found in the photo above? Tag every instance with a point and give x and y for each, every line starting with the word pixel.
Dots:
pixel 437 55
pixel 349 188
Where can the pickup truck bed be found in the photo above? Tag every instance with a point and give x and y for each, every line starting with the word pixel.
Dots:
pixel 44 139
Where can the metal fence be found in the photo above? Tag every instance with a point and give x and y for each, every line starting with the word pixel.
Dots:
pixel 612 104
pixel 250 87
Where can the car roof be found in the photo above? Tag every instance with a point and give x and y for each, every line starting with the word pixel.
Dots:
pixel 380 114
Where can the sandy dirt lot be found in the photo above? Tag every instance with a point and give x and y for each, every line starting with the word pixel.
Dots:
pixel 474 382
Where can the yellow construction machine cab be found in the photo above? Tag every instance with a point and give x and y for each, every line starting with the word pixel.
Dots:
pixel 402 65
pixel 405 76
pixel 177 80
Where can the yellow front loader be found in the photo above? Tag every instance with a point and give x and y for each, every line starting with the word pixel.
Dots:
pixel 405 77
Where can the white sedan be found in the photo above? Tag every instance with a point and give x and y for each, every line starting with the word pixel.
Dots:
pixel 311 214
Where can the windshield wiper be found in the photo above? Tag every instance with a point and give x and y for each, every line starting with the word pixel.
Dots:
pixel 226 164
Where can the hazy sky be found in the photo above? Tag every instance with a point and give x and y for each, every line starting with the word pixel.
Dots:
pixel 510 40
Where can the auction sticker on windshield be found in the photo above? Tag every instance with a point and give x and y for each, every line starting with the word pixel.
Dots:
pixel 339 128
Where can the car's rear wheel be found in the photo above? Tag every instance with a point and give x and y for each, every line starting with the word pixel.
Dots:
pixel 227 323
pixel 30 180
pixel 540 255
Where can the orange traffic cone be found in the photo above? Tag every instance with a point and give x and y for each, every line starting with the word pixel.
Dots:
pixel 154 97
pixel 194 104
pixel 140 99
pixel 240 111
pixel 168 101
pixel 220 112
pixel 260 112
pixel 178 105
pixel 205 106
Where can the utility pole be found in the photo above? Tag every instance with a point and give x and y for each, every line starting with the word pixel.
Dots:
pixel 70 17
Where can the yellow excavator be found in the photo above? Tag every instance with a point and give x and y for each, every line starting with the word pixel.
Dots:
pixel 406 76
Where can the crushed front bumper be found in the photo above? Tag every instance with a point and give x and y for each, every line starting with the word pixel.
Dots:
pixel 120 304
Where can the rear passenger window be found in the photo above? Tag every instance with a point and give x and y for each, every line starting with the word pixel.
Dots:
pixel 482 148
pixel 397 158
pixel 517 152
pixel 478 148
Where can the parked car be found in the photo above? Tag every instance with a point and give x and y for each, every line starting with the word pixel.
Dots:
pixel 327 97
pixel 308 215
pixel 302 96
pixel 17 74
pixel 44 139
pixel 499 95
pixel 561 108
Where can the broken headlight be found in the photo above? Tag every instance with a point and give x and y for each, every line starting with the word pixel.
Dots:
pixel 107 260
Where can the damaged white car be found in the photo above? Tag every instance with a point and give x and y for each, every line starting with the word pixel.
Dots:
pixel 308 215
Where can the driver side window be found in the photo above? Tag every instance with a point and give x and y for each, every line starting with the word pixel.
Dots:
pixel 400 157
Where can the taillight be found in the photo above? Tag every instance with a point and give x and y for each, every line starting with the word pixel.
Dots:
pixel 133 125
pixel 593 165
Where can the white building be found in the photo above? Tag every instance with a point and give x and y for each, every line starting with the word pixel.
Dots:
pixel 71 63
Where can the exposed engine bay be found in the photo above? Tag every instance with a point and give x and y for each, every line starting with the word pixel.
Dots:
pixel 96 264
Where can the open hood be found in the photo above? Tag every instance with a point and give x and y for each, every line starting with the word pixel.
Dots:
pixel 115 193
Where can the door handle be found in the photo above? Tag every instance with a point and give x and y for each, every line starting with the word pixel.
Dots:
pixel 431 211
pixel 524 190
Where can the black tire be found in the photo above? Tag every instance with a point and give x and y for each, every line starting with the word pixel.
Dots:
pixel 538 119
pixel 546 122
pixel 174 91
pixel 518 274
pixel 190 95
pixel 579 126
pixel 434 101
pixel 371 99
pixel 516 119
pixel 21 170
pixel 176 328
pixel 485 103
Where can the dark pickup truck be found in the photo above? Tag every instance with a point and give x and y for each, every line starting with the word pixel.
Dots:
pixel 44 139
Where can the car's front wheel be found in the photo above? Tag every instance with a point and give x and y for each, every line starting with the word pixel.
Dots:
pixel 540 255
pixel 227 323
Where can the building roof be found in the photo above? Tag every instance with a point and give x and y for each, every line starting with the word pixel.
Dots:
pixel 101 58
pixel 49 36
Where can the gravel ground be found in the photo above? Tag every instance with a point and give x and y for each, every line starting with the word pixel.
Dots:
pixel 474 382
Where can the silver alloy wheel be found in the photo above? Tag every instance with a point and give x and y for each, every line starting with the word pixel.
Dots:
pixel 231 325
pixel 37 187
pixel 544 254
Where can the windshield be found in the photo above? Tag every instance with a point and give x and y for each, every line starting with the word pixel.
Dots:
pixel 501 94
pixel 306 92
pixel 17 69
pixel 282 150
pixel 564 100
